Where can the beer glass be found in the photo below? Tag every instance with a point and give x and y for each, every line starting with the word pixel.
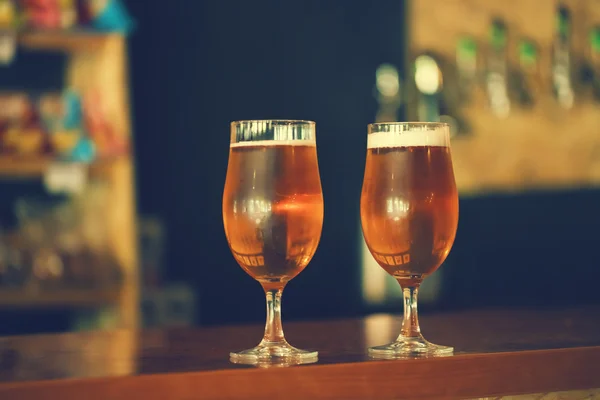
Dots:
pixel 273 215
pixel 409 216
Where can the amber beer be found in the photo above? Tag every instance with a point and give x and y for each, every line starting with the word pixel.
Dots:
pixel 273 207
pixel 409 202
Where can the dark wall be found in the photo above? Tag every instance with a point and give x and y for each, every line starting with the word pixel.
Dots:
pixel 532 249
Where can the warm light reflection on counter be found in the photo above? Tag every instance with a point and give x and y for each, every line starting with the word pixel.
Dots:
pixel 379 329
pixel 76 355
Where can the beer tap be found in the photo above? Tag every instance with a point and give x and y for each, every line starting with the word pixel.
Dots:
pixel 496 80
pixel 528 85
pixel 428 81
pixel 590 71
pixel 388 92
pixel 467 78
pixel 466 65
pixel 594 50
pixel 436 101
pixel 562 83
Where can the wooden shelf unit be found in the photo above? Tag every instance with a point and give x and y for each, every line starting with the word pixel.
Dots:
pixel 70 42
pixel 96 61
pixel 72 298
pixel 33 168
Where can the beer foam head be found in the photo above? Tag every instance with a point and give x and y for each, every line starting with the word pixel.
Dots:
pixel 401 134
pixel 270 143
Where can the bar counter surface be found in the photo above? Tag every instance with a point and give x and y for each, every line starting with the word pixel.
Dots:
pixel 497 353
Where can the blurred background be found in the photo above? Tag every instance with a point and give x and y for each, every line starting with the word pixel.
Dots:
pixel 114 140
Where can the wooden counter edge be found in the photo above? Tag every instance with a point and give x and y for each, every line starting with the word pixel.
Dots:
pixel 460 376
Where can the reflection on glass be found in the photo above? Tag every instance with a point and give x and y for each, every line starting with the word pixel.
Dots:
pixel 497 70
pixel 387 80
pixel 396 208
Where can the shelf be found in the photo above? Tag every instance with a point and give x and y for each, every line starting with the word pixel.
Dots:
pixel 95 61
pixel 23 168
pixel 75 298
pixel 77 41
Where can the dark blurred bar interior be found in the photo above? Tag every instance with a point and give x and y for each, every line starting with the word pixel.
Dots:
pixel 114 140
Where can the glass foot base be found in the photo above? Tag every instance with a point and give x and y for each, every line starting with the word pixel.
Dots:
pixel 274 354
pixel 410 348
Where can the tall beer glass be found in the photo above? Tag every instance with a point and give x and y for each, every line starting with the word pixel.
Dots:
pixel 409 216
pixel 273 215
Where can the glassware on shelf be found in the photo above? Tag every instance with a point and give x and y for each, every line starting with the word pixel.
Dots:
pixel 14 270
pixel 35 227
pixel 64 245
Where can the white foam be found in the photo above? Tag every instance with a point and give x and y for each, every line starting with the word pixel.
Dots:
pixel 415 138
pixel 271 143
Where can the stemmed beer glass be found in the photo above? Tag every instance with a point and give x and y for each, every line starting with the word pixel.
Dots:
pixel 409 216
pixel 273 215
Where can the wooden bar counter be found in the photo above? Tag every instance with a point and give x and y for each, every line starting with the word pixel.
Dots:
pixel 523 354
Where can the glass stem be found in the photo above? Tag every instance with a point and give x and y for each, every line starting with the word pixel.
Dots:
pixel 410 323
pixel 273 327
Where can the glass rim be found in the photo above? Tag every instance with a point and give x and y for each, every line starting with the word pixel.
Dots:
pixel 274 121
pixel 410 123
